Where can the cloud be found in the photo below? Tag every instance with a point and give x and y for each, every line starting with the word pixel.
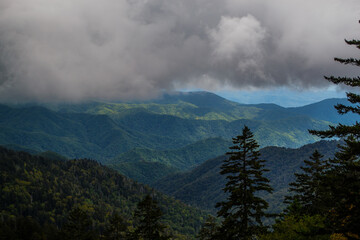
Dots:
pixel 87 49
pixel 239 40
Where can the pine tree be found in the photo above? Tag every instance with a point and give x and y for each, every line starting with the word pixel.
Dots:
pixel 147 217
pixel 343 183
pixel 243 210
pixel 307 188
pixel 78 226
pixel 343 180
pixel 343 131
pixel 116 229
pixel 209 229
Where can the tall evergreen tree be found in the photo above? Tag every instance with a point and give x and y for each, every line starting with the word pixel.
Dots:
pixel 343 131
pixel 343 183
pixel 243 210
pixel 116 229
pixel 307 188
pixel 343 180
pixel 147 218
pixel 78 226
pixel 209 229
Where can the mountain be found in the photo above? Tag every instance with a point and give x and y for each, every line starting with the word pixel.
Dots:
pixel 73 135
pixel 101 136
pixel 203 185
pixel 200 99
pixel 185 105
pixel 149 165
pixel 323 110
pixel 183 158
pixel 47 189
pixel 134 137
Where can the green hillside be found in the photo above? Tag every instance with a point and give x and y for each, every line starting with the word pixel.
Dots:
pixel 203 185
pixel 193 105
pixel 289 131
pixel 47 189
pixel 149 165
pixel 73 135
pixel 208 106
pixel 324 110
pixel 150 139
pixel 101 137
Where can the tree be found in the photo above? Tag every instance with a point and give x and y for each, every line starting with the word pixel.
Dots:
pixel 147 217
pixel 209 229
pixel 343 183
pixel 307 188
pixel 243 210
pixel 298 228
pixel 343 180
pixel 343 131
pixel 116 229
pixel 78 226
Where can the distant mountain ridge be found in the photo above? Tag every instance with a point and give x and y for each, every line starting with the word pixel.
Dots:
pixel 101 136
pixel 149 165
pixel 168 125
pixel 321 110
pixel 202 186
pixel 207 106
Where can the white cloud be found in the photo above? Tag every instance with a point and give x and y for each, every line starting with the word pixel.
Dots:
pixel 240 40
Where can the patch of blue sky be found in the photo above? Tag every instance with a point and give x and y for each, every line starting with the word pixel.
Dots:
pixel 284 97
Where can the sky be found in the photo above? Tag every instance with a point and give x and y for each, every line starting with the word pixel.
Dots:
pixel 282 96
pixel 247 50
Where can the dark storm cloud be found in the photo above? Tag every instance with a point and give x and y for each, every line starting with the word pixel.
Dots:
pixel 86 49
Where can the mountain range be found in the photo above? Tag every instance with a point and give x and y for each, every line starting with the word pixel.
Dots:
pixel 202 186
pixel 173 133
pixel 175 144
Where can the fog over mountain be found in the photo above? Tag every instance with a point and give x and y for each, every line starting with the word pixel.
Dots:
pixel 134 49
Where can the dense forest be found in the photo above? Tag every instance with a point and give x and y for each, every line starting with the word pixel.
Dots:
pixel 103 131
pixel 148 140
pixel 43 192
pixel 202 186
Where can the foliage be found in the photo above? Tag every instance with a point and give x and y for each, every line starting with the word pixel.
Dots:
pixel 47 190
pixel 27 228
pixel 147 217
pixel 209 229
pixel 342 181
pixel 149 165
pixel 243 209
pixel 202 185
pixel 116 229
pixel 104 130
pixel 292 227
pixel 345 130
pixel 307 189
pixel 78 226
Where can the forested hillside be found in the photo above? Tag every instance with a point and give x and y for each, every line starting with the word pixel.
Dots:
pixel 203 185
pixel 151 139
pixel 149 165
pixel 102 136
pixel 48 189
pixel 103 130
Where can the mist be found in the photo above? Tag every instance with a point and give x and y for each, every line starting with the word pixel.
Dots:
pixel 75 50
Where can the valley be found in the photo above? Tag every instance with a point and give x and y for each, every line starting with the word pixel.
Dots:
pixel 175 144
